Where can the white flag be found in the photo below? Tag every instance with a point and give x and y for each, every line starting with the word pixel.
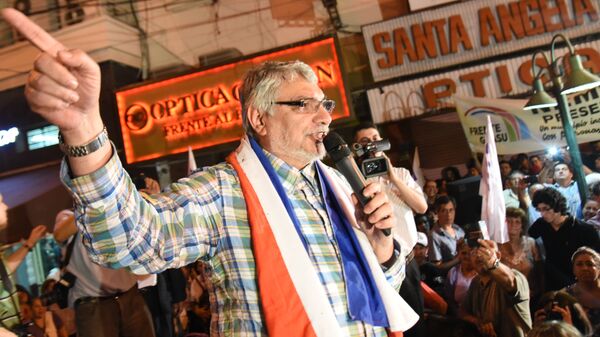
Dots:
pixel 493 211
pixel 419 177
pixel 191 161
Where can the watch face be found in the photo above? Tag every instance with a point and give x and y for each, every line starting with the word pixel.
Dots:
pixel 495 264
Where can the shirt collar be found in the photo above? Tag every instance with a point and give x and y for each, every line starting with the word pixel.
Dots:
pixel 569 222
pixel 290 176
pixel 443 231
pixel 557 185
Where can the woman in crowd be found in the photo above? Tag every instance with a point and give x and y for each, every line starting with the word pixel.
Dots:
pixel 590 209
pixel 45 323
pixel 586 267
pixel 450 174
pixel 24 303
pixel 520 252
pixel 459 278
pixel 560 306
pixel 66 315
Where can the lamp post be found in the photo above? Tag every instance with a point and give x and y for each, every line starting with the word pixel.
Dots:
pixel 578 79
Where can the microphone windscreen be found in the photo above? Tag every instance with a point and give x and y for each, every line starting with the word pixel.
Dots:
pixel 335 146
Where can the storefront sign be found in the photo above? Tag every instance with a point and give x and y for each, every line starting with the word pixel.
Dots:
pixel 8 136
pixel 517 130
pixel 202 109
pixel 496 79
pixel 472 30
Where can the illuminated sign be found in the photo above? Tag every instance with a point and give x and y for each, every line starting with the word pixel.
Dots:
pixel 42 137
pixel 203 109
pixel 507 77
pixel 8 136
pixel 472 31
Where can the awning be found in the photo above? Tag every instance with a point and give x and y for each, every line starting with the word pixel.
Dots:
pixel 34 198
pixel 20 188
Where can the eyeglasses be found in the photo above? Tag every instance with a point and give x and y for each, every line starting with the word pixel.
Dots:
pixel 309 105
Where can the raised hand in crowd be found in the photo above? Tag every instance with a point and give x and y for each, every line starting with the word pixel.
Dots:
pixel 14 260
pixel 35 235
pixel 541 315
pixel 152 186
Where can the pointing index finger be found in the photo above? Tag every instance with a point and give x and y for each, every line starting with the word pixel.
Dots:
pixel 32 32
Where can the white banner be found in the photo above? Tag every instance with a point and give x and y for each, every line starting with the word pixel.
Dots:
pixel 517 130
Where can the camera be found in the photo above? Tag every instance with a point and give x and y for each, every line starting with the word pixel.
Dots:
pixel 60 292
pixel 370 165
pixel 472 234
pixel 139 181
pixel 553 153
pixel 532 179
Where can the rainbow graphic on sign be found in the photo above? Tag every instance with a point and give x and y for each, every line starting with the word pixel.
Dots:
pixel 515 126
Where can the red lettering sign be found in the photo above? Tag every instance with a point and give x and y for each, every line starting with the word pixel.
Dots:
pixel 203 109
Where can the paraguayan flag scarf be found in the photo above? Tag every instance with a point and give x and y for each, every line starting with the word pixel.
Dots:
pixel 293 300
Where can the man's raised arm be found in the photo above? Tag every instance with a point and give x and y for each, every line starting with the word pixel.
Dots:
pixel 64 88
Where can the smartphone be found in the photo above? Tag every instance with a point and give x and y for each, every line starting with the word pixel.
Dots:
pixel 473 233
pixel 532 179
pixel 553 315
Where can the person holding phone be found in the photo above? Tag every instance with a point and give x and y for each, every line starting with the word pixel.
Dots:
pixel 561 306
pixel 497 301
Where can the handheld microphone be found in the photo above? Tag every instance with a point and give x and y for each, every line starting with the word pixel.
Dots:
pixel 341 155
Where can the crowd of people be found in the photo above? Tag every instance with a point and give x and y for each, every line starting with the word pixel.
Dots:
pixel 175 304
pixel 550 235
pixel 274 242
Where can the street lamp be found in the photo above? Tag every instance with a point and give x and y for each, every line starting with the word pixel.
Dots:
pixel 577 80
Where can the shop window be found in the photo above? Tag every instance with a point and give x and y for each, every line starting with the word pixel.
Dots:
pixel 42 137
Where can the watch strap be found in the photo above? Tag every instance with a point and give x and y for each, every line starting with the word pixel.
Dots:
pixel 395 255
pixel 494 265
pixel 83 150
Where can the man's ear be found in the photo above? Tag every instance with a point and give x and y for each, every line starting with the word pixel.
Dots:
pixel 256 121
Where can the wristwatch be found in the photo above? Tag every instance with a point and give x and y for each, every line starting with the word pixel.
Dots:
pixel 494 265
pixel 83 150
pixel 395 255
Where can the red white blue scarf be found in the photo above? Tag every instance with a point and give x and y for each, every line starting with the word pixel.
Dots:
pixel 296 303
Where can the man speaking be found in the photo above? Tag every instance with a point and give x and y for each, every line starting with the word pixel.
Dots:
pixel 289 251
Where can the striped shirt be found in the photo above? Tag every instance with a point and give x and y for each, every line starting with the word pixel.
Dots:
pixel 204 217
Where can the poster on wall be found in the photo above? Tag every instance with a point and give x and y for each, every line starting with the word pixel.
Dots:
pixel 517 130
pixel 202 109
